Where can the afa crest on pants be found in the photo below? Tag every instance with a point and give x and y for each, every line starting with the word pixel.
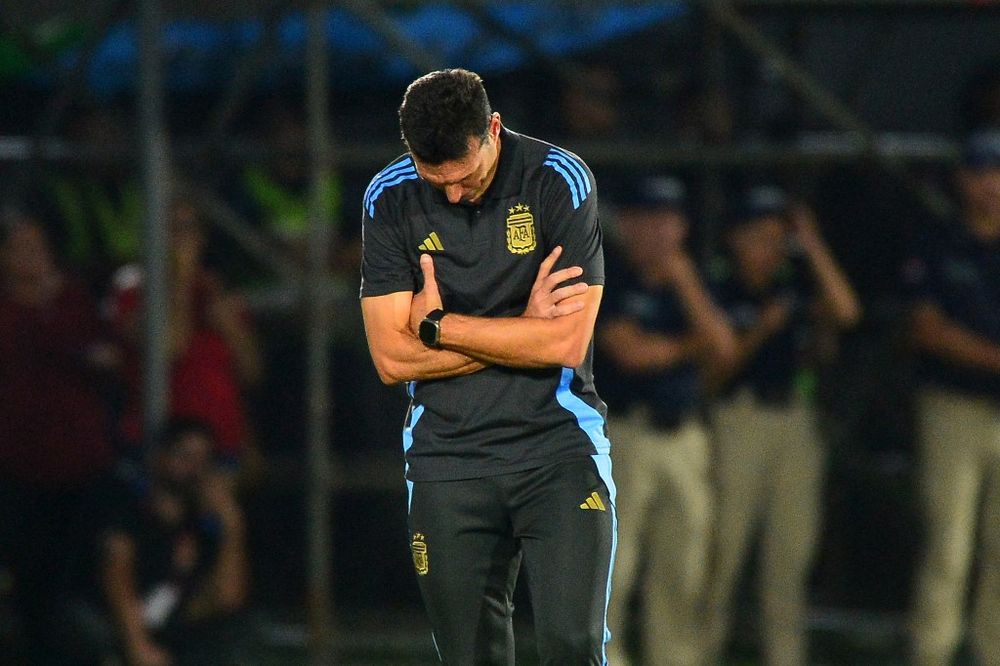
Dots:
pixel 419 548
pixel 520 229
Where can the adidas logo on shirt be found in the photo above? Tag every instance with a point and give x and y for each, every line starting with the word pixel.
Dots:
pixel 431 244
pixel 593 503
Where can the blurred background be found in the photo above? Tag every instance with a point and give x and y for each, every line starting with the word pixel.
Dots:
pixel 195 171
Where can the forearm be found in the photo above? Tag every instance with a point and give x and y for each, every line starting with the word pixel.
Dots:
pixel 720 371
pixel 124 603
pixel 953 343
pixel 706 319
pixel 225 590
pixel 636 351
pixel 658 352
pixel 519 342
pixel 127 612
pixel 837 296
pixel 397 353
pixel 408 359
pixel 526 341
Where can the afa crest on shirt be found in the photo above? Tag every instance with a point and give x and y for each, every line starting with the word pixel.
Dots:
pixel 520 229
pixel 419 548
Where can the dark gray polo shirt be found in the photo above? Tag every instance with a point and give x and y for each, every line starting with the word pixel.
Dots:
pixel 486 256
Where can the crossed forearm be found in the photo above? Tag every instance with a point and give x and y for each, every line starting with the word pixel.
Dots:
pixel 521 342
pixel 411 360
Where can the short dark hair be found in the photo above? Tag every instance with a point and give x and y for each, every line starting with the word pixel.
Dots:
pixel 440 111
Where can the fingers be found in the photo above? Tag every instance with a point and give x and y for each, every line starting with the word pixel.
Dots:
pixel 562 275
pixel 548 263
pixel 566 308
pixel 549 279
pixel 427 267
pixel 429 295
pixel 572 290
pixel 564 301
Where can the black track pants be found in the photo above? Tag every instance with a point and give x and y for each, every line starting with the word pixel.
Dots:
pixel 470 537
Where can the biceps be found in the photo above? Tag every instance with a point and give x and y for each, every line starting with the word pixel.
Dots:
pixel 386 320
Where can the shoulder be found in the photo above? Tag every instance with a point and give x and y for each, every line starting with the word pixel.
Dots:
pixel 563 171
pixel 398 172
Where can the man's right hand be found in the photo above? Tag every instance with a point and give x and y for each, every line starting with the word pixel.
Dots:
pixel 547 300
pixel 428 298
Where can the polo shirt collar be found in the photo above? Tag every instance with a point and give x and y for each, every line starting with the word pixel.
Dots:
pixel 507 179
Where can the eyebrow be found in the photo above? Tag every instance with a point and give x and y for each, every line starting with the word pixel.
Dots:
pixel 450 182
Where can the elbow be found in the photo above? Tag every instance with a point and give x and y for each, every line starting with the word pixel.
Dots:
pixel 389 372
pixel 850 316
pixel 572 351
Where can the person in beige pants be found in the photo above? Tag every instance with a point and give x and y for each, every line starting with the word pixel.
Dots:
pixel 954 283
pixel 658 325
pixel 768 455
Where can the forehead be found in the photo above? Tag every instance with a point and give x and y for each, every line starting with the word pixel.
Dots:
pixel 452 171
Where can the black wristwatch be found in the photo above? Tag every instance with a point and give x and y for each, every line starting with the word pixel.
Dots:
pixel 430 328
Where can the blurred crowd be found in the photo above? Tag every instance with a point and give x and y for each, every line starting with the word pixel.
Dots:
pixel 715 347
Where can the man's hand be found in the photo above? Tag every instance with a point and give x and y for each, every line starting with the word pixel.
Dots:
pixel 548 302
pixel 428 298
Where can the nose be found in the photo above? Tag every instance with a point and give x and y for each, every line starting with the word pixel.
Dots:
pixel 454 193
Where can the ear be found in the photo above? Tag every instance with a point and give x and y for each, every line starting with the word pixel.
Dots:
pixel 495 125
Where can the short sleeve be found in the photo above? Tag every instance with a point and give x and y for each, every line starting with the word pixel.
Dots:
pixel 385 264
pixel 570 218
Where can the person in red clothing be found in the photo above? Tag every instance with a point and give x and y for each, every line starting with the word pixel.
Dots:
pixel 55 450
pixel 214 352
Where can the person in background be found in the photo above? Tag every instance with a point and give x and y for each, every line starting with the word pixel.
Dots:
pixel 173 573
pixel 276 193
pixel 97 204
pixel 213 349
pixel 56 361
pixel 954 285
pixel 780 281
pixel 658 328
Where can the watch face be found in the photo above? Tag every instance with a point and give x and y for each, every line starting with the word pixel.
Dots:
pixel 429 332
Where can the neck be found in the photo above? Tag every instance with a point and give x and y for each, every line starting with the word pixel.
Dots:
pixel 493 169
